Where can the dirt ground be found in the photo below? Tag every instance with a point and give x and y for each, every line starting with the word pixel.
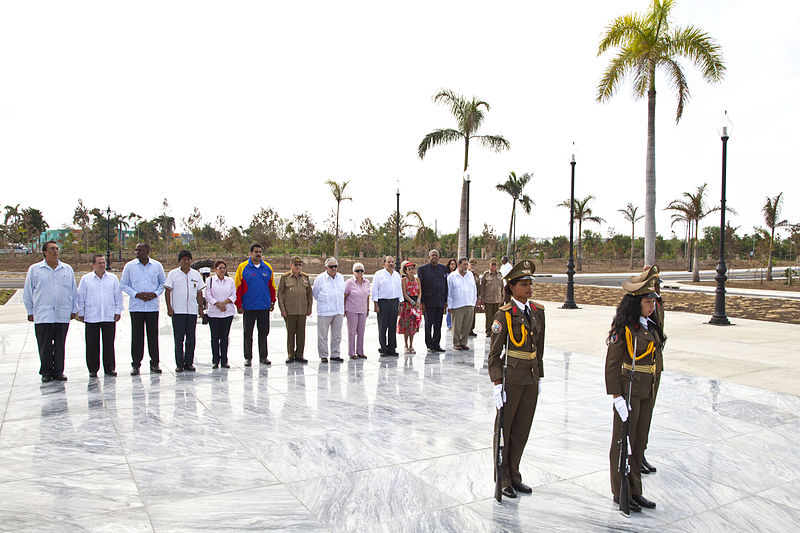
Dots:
pixel 775 285
pixel 769 309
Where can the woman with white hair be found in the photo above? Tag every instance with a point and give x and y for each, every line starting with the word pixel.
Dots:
pixel 356 308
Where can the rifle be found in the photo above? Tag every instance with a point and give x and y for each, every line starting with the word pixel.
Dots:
pixel 624 464
pixel 498 458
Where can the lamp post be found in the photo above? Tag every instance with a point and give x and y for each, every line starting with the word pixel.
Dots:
pixel 466 179
pixel 569 303
pixel 397 221
pixel 719 318
pixel 108 237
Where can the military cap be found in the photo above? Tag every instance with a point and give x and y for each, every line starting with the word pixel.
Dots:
pixel 296 259
pixel 473 261
pixel 637 287
pixel 492 260
pixel 522 270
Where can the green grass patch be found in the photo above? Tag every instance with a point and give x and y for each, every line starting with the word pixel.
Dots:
pixel 5 295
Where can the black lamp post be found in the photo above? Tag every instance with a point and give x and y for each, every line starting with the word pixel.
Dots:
pixel 720 318
pixel 569 303
pixel 397 220
pixel 466 179
pixel 108 238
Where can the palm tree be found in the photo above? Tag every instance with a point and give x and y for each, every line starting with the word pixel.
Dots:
pixel 695 209
pixel 337 189
pixel 14 215
pixel 647 42
pixel 514 186
pixel 582 213
pixel 630 216
pixel 681 214
pixel 772 212
pixel 469 115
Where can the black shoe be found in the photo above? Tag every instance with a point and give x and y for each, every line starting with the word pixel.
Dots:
pixel 154 369
pixel 522 487
pixel 431 350
pixel 248 362
pixel 135 372
pixel 225 365
pixel 60 377
pixel 381 351
pixel 650 468
pixel 215 366
pixel 111 373
pixel 179 369
pixel 509 492
pixel 190 368
pixel 323 359
pixel 47 379
pixel 440 350
pixel 289 360
pixel 265 361
pixel 337 359
pixel 92 374
pixel 635 507
pixel 301 360
pixel 488 335
pixel 644 502
pixel 393 354
pixel 471 334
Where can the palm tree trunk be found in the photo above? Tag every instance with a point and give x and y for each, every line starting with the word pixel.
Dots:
pixel 462 222
pixel 633 230
pixel 511 226
pixel 689 247
pixel 769 260
pixel 580 249
pixel 650 178
pixel 696 266
pixel 336 237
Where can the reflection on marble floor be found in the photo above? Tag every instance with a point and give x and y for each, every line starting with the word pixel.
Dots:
pixel 369 445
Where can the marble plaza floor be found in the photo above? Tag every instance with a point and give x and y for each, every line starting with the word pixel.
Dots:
pixel 371 445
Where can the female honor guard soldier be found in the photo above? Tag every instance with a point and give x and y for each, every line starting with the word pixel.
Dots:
pixel 633 334
pixel 518 326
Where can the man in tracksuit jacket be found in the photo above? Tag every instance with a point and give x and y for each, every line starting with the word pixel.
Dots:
pixel 255 297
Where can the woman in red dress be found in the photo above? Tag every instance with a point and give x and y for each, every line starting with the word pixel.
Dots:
pixel 410 308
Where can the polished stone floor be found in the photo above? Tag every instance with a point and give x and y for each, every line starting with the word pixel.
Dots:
pixel 370 445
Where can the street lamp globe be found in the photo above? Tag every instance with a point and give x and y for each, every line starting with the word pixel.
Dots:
pixel 725 126
pixel 573 152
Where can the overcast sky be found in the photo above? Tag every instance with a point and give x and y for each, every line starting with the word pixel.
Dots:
pixel 231 106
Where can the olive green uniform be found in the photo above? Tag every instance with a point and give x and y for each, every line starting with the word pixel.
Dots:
pixel 645 383
pixel 490 292
pixel 295 300
pixel 525 368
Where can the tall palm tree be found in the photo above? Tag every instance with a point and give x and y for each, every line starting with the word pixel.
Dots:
pixel 337 189
pixel 695 209
pixel 646 43
pixel 14 215
pixel 772 212
pixel 469 115
pixel 630 216
pixel 681 215
pixel 514 186
pixel 582 213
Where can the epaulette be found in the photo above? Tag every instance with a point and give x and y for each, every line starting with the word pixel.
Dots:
pixel 536 305
pixel 487 272
pixel 505 307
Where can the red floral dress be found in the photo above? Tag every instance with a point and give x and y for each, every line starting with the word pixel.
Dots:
pixel 410 315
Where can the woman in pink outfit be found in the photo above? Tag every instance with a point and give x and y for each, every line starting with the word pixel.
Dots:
pixel 410 308
pixel 356 308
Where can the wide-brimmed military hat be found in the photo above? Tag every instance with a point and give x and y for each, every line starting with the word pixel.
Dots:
pixel 296 260
pixel 644 287
pixel 522 270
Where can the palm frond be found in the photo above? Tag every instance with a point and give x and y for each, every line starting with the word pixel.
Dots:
pixel 677 80
pixel 624 28
pixel 615 74
pixel 699 47
pixel 437 137
pixel 494 142
pixel 527 203
pixel 454 101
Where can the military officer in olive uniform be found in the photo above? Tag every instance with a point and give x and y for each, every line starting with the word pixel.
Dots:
pixel 658 317
pixel 635 342
pixel 518 335
pixel 295 301
pixel 490 293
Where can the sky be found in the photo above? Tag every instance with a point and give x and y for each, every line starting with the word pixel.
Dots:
pixel 234 106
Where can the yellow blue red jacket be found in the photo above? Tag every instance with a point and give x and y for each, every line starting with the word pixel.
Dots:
pixel 255 287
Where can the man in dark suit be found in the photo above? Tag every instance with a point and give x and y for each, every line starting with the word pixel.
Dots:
pixel 433 286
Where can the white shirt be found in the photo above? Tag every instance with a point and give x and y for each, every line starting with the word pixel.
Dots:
pixel 461 290
pixel 99 299
pixel 386 286
pixel 138 277
pixel 329 294
pixel 50 294
pixel 184 288
pixel 521 306
pixel 219 290
pixel 505 269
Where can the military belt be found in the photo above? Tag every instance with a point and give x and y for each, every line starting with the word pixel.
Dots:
pixel 644 369
pixel 519 354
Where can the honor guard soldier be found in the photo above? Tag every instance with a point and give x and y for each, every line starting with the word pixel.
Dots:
pixel 295 301
pixel 515 368
pixel 633 371
pixel 658 317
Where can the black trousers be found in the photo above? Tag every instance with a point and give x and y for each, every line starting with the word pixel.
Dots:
pixel 433 326
pixel 387 324
pixel 183 331
pixel 93 331
pixel 260 319
pixel 220 330
pixel 51 339
pixel 141 320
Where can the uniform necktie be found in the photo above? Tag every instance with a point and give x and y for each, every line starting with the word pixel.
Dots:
pixel 528 313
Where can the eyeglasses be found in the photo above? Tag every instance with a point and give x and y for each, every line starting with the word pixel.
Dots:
pixel 221 267
pixel 359 271
pixel 333 266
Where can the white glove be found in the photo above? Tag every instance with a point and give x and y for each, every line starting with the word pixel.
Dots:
pixel 621 407
pixel 499 396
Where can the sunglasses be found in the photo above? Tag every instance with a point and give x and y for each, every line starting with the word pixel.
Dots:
pixel 360 271
pixel 333 266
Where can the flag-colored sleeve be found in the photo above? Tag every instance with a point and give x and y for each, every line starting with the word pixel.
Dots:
pixel 241 287
pixel 273 293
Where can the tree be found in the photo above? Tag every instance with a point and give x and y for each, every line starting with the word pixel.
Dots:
pixel 772 212
pixel 12 223
pixel 266 228
pixel 33 223
pixel 582 213
pixel 194 223
pixel 630 216
pixel 80 218
pixel 514 186
pixel 694 209
pixel 337 189
pixel 490 239
pixel 469 115
pixel 303 231
pixel 647 43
